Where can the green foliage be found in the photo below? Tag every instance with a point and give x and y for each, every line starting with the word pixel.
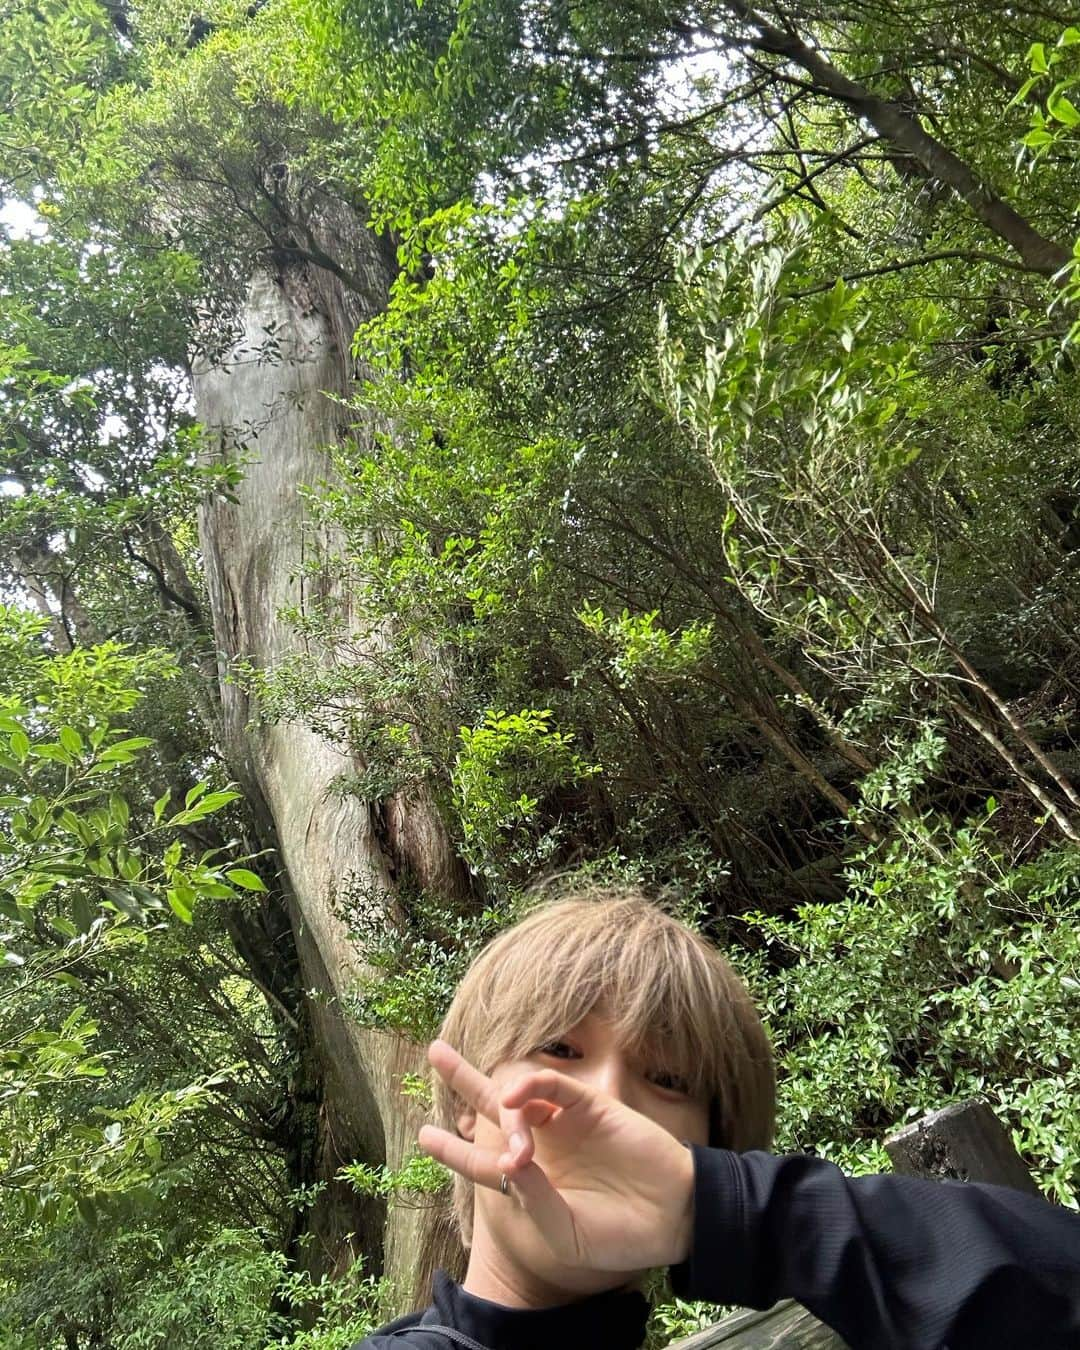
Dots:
pixel 346 1309
pixel 1051 79
pixel 92 1138
pixel 675 1318
pixel 642 647
pixel 418 1175
pixel 1055 74
pixel 216 1295
pixel 710 522
pixel 56 58
pixel 228 1289
pixel 417 966
pixel 672 1318
pixel 416 1086
pixel 944 973
pixel 503 766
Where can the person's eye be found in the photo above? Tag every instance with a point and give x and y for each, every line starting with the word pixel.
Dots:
pixel 558 1050
pixel 669 1082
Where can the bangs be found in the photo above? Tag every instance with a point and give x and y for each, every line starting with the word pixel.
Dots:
pixel 659 985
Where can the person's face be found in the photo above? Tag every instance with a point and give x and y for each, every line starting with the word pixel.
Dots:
pixel 589 1053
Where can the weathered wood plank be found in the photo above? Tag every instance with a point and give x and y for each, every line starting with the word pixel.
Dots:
pixel 786 1326
pixel 962 1142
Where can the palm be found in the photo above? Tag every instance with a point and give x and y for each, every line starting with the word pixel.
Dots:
pixel 607 1188
pixel 602 1163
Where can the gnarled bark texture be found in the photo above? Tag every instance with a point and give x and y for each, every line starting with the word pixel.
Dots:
pixel 270 399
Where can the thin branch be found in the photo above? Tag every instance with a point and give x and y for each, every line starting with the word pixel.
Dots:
pixel 902 264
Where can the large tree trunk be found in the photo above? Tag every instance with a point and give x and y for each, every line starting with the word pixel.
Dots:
pixel 268 398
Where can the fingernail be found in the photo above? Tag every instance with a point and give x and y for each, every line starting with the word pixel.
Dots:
pixel 517 1142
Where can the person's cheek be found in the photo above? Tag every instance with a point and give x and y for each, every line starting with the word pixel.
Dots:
pixel 488 1136
pixel 689 1121
pixel 697 1128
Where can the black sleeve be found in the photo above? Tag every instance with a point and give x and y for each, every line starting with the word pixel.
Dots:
pixel 401 1334
pixel 409 1338
pixel 891 1263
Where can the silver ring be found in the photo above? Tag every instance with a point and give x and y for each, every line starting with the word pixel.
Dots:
pixel 504 1184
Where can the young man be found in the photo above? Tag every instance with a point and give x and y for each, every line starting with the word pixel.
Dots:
pixel 601 1076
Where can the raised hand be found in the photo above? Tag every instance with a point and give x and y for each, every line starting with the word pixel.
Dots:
pixel 607 1188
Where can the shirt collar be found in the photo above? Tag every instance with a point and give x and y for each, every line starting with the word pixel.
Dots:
pixel 615 1320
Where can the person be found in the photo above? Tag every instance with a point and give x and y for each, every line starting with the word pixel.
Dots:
pixel 604 1096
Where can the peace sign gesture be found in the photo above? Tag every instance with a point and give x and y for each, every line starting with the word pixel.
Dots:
pixel 607 1188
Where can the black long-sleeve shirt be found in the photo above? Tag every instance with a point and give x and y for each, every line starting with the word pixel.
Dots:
pixel 891 1263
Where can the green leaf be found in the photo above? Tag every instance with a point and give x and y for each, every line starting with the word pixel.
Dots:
pixel 146 897
pixel 84 912
pixel 123 752
pixel 20 744
pixel 124 902
pixel 180 904
pixel 241 876
pixel 71 740
pixel 216 800
pixel 215 890
pixel 118 809
pixel 206 806
pixel 1025 89
pixel 55 752
pixel 1062 110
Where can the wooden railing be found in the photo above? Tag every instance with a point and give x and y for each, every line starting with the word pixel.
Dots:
pixel 963 1142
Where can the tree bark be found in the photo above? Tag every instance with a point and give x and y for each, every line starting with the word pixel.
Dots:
pixel 279 410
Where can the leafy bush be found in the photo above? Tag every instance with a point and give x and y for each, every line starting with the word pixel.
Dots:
pixel 944 973
pixel 503 767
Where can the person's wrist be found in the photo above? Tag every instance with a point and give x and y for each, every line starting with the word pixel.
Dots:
pixel 684 1189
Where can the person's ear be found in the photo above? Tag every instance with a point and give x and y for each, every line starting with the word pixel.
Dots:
pixel 466 1123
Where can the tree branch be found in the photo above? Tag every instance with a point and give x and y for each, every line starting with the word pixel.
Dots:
pixel 902 264
pixel 1038 254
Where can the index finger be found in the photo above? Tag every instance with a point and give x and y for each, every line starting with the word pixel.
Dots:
pixel 470 1084
pixel 546 1085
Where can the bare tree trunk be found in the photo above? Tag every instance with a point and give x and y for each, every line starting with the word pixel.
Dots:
pixel 268 398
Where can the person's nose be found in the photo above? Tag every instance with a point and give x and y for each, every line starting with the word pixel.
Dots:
pixel 612 1074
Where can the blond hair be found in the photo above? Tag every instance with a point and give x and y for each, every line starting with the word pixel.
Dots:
pixel 661 985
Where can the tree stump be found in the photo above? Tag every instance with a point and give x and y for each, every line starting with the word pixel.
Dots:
pixel 962 1142
pixel 787 1326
